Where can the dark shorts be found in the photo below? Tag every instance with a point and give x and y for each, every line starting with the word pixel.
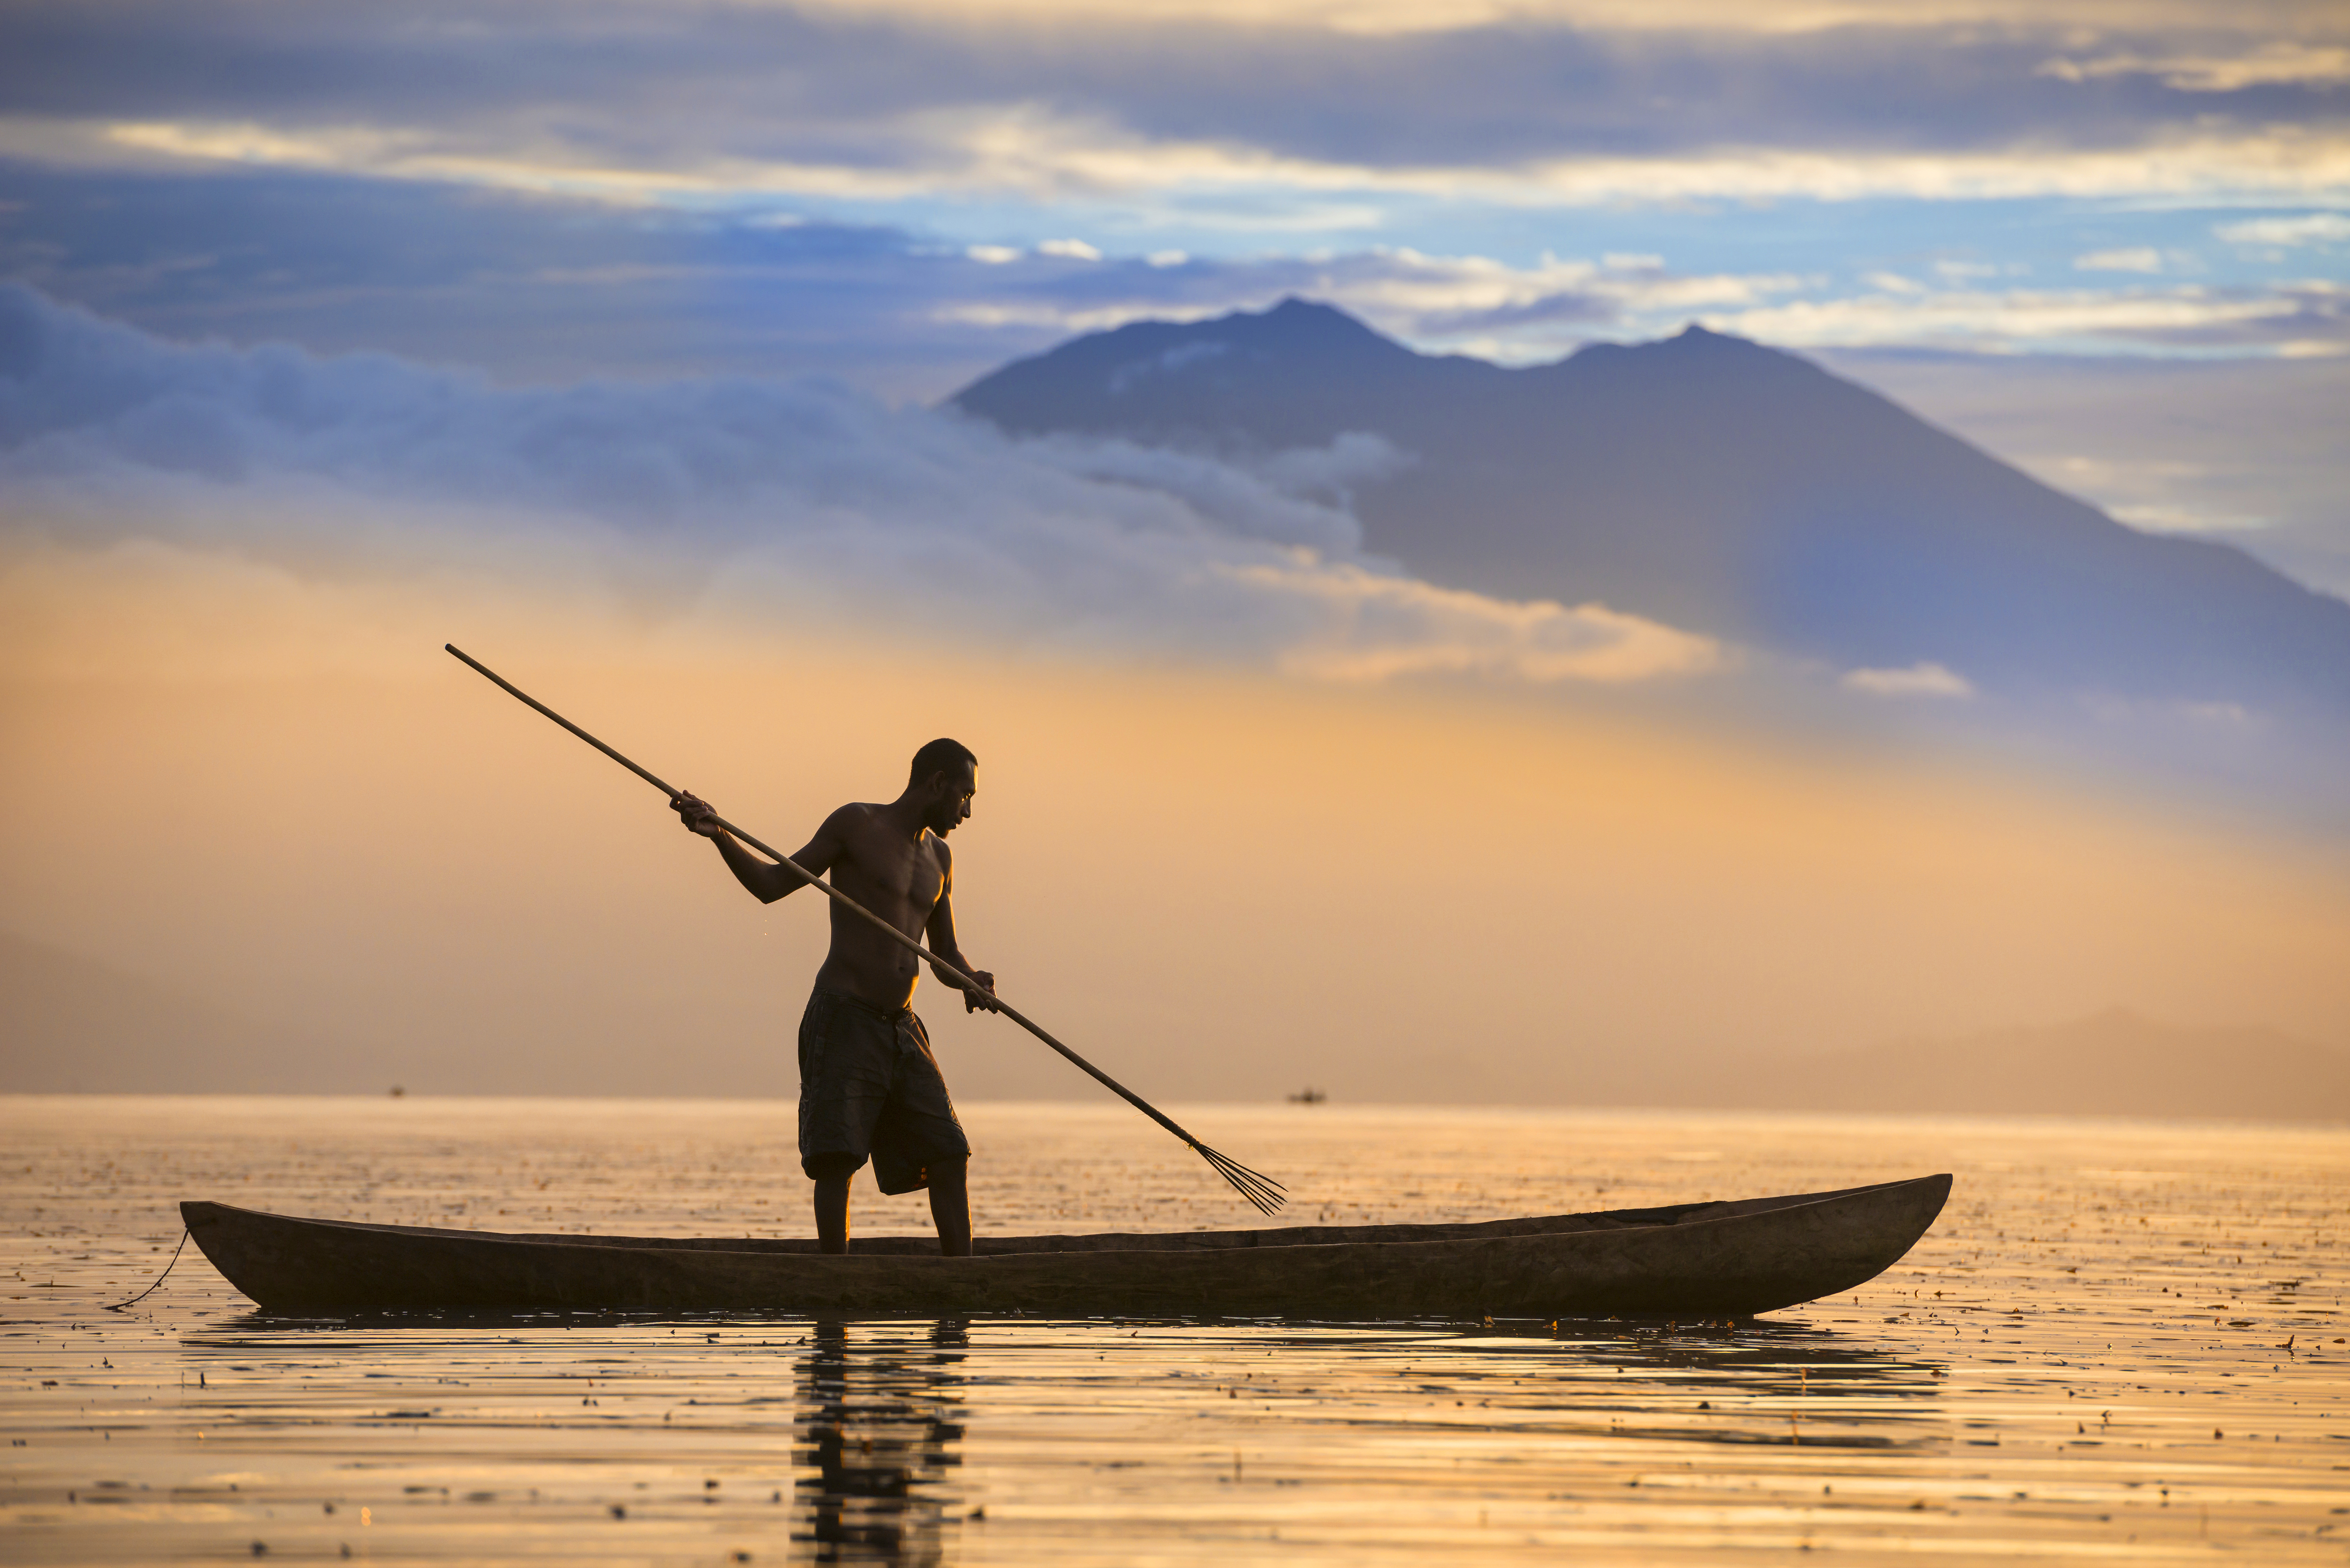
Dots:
pixel 870 1088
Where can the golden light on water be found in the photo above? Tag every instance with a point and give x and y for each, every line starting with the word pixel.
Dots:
pixel 2119 1342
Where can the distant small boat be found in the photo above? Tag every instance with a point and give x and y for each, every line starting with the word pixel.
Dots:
pixel 1689 1259
pixel 1309 1096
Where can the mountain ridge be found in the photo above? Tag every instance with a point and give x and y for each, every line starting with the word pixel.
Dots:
pixel 1720 485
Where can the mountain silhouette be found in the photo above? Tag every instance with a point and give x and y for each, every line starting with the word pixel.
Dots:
pixel 1717 486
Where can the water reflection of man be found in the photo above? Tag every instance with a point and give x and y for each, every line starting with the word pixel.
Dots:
pixel 876 1441
pixel 870 1086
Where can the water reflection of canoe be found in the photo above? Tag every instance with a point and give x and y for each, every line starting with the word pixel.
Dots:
pixel 1690 1260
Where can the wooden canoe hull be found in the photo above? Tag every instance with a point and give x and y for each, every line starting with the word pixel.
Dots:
pixel 1703 1260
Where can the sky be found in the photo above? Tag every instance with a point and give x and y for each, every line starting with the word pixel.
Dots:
pixel 605 339
pixel 1949 200
pixel 282 798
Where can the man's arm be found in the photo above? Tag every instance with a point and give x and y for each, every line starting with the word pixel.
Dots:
pixel 940 929
pixel 767 882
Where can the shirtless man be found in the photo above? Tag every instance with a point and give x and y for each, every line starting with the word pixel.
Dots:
pixel 870 1086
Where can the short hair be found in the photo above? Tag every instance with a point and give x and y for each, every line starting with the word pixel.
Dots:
pixel 941 757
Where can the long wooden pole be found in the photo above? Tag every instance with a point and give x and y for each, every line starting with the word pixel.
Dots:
pixel 1265 1193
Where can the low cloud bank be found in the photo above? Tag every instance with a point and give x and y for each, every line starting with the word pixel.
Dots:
pixel 746 501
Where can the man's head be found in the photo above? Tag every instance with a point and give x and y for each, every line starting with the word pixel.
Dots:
pixel 945 777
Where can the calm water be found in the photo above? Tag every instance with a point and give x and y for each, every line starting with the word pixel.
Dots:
pixel 2122 1342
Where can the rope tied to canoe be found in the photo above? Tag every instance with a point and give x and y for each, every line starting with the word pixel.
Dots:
pixel 150 1291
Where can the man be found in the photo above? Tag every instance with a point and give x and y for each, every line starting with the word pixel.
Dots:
pixel 870 1086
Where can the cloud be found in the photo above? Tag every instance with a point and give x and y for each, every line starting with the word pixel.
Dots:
pixel 1379 628
pixel 2134 258
pixel 1296 497
pixel 2280 62
pixel 646 103
pixel 2155 518
pixel 1024 153
pixel 530 289
pixel 740 502
pixel 2308 318
pixel 1916 680
pixel 551 289
pixel 1374 18
pixel 2313 229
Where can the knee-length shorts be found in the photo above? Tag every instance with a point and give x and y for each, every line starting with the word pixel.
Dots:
pixel 870 1088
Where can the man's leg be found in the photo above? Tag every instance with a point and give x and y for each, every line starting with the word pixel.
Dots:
pixel 832 1213
pixel 925 1140
pixel 950 1206
pixel 833 1173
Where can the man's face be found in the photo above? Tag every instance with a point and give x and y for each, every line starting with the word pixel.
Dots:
pixel 951 805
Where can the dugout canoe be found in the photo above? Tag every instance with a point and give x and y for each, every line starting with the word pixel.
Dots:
pixel 1691 1259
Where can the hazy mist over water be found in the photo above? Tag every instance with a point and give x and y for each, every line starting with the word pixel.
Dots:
pixel 2121 1341
pixel 1221 886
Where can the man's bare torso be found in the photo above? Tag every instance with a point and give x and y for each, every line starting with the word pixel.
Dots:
pixel 893 860
pixel 901 879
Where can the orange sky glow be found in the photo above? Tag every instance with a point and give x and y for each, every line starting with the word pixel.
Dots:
pixel 280 795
